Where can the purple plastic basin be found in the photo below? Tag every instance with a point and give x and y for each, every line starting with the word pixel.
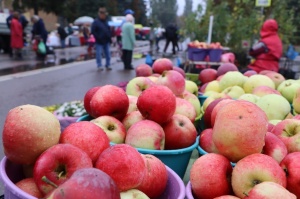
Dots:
pixel 11 173
pixel 188 191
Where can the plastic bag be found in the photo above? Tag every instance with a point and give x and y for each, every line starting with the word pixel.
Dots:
pixel 149 60
pixel 291 53
pixel 42 47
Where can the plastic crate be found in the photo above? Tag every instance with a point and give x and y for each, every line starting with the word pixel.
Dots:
pixel 215 55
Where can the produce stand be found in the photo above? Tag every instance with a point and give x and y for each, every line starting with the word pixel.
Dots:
pixel 189 65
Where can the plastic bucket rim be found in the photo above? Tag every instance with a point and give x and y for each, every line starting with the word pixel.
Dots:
pixel 8 184
pixel 179 180
pixel 188 191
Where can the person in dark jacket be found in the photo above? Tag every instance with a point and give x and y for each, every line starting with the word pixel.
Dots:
pixel 38 28
pixel 171 36
pixel 102 34
pixel 62 35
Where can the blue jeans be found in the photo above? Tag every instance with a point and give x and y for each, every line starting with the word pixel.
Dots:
pixel 99 49
pixel 63 43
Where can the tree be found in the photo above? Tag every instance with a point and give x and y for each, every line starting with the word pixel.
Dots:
pixel 164 11
pixel 188 8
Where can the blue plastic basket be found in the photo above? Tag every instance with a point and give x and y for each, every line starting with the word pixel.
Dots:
pixel 215 55
pixel 199 54
pixel 202 98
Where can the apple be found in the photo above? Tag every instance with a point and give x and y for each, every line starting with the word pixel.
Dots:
pixel 206 141
pixel 270 126
pixel 212 86
pixel 87 136
pixel 264 90
pixel 277 78
pixel 155 180
pixel 249 97
pixel 209 176
pixel 208 111
pixel 269 190
pixel 146 134
pixel 57 164
pixel 220 77
pixel 234 91
pixel 227 197
pixel 214 97
pixel 288 89
pixel 290 164
pixel 132 118
pixel 153 78
pixel 173 80
pixel 28 185
pixel 228 57
pixel 255 169
pixel 179 126
pixel 288 131
pixel 191 87
pixel 257 80
pixel 137 85
pixel 249 73
pixel 274 147
pixel 275 106
pixel 132 103
pixel 143 70
pixel 155 75
pixel 226 67
pixel 203 87
pixel 238 124
pixel 133 193
pixel 124 164
pixel 232 78
pixel 109 100
pixel 184 107
pixel 263 72
pixel 296 101
pixel 274 122
pixel 28 131
pixel 162 64
pixel 87 183
pixel 194 100
pixel 207 75
pixel 113 128
pixel 217 108
pixel 180 70
pixel 157 103
pixel 87 98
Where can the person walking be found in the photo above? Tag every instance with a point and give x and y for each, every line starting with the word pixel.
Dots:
pixel 171 36
pixel 102 34
pixel 128 41
pixel 62 35
pixel 16 35
pixel 39 28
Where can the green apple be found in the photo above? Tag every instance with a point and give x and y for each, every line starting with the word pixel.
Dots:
pixel 232 78
pixel 257 80
pixel 249 97
pixel 234 91
pixel 288 89
pixel 193 100
pixel 213 86
pixel 133 193
pixel 191 87
pixel 274 122
pixel 275 106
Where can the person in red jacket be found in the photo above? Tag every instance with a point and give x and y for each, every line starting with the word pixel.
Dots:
pixel 268 50
pixel 16 29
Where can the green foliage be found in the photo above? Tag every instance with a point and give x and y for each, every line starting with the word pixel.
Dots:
pixel 164 11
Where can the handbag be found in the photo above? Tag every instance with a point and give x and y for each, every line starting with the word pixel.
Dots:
pixel 42 48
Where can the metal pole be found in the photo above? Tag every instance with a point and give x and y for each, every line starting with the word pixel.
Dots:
pixel 211 21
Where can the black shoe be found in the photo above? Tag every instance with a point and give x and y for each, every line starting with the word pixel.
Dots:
pixel 130 68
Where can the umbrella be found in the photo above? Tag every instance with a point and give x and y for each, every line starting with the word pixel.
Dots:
pixel 115 23
pixel 83 20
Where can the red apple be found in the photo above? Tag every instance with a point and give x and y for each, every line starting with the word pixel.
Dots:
pixel 184 107
pixel 288 131
pixel 203 87
pixel 155 180
pixel 173 80
pixel 217 108
pixel 277 78
pixel 87 136
pixel 206 141
pixel 208 111
pixel 57 164
pixel 207 75
pixel 250 73
pixel 263 72
pixel 137 85
pixel 157 103
pixel 239 130
pixel 274 147
pixel 28 185
pixel 124 165
pixel 28 131
pixel 109 100
pixel 181 127
pixel 113 128
pixel 146 134
pixel 297 117
pixel 220 77
pixel 132 118
pixel 270 127
pixel 264 90
pixel 87 98
pixel 226 67
pixel 290 164
pixel 255 169
pixel 132 103
pixel 162 64
pixel 143 70
pixel 180 70
pixel 87 183
pixel 210 176
pixel 227 197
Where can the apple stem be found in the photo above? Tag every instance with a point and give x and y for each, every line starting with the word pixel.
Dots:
pixel 60 174
pixel 46 180
pixel 245 194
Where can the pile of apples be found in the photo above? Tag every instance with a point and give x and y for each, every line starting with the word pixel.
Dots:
pixel 197 44
pixel 156 112
pixel 249 122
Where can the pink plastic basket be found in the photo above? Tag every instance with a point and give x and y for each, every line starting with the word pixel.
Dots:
pixel 11 173
pixel 188 191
